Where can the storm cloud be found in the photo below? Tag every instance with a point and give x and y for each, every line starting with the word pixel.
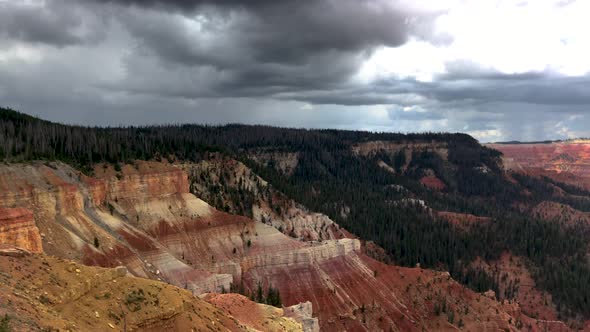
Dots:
pixel 356 64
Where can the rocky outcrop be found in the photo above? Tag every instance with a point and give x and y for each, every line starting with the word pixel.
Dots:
pixel 298 222
pixel 264 203
pixel 399 155
pixel 305 256
pixel 433 183
pixel 516 283
pixel 392 148
pixel 302 313
pixel 18 229
pixel 258 316
pixel 462 220
pixel 87 285
pixel 284 162
pixel 14 252
pixel 561 213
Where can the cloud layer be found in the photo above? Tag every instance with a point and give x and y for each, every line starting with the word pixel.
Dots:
pixel 509 70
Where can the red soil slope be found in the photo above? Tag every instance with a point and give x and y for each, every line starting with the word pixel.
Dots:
pixel 433 183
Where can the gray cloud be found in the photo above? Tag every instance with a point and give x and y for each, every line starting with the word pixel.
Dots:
pixel 189 5
pixel 538 90
pixel 261 48
pixel 288 63
pixel 57 23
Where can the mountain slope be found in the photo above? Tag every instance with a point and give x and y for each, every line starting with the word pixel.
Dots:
pixel 143 217
pixel 438 200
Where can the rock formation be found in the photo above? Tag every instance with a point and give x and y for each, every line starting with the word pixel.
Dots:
pixel 302 313
pixel 259 316
pixel 564 161
pixel 18 229
pixel 268 205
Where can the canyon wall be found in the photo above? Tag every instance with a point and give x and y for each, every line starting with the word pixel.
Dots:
pixel 143 217
pixel 106 220
pixel 566 162
pixel 264 203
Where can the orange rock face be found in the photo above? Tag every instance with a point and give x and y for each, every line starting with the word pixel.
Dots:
pixel 17 229
pixel 564 161
pixel 140 181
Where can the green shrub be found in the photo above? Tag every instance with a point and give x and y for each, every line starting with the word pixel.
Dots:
pixel 5 324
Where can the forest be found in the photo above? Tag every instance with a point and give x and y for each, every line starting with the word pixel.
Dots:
pixel 330 176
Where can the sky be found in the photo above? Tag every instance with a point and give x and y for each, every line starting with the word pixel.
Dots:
pixel 497 70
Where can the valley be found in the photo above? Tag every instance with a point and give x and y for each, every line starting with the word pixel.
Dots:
pixel 339 230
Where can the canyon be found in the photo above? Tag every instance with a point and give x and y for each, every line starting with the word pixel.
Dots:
pixel 287 218
pixel 565 161
pixel 142 216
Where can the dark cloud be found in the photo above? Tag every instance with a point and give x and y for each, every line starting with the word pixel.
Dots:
pixel 56 23
pixel 189 5
pixel 463 70
pixel 281 62
pixel 271 31
pixel 274 45
pixel 258 48
pixel 541 90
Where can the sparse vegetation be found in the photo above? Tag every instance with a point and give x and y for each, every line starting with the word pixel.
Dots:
pixel 44 299
pixel 5 324
pixel 272 295
pixel 135 299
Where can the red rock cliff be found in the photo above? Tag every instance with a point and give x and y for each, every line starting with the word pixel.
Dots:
pixel 17 229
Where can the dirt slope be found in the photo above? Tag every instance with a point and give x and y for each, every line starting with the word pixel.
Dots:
pixel 42 292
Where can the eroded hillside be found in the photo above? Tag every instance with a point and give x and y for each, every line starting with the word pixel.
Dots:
pixel 567 161
pixel 143 217
pixel 298 213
